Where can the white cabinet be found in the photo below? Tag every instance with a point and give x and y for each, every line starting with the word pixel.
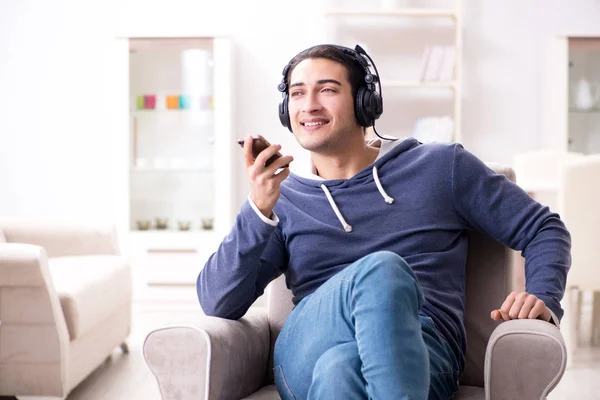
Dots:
pixel 571 95
pixel 417 48
pixel 181 149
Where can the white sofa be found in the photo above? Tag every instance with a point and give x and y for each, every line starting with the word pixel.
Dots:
pixel 65 305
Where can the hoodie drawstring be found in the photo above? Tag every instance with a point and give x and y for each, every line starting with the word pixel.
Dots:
pixel 387 198
pixel 337 212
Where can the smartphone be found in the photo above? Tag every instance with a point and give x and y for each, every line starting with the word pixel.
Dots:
pixel 259 143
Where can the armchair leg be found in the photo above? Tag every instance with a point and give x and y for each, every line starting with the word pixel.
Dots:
pixel 125 348
pixel 578 308
pixel 596 317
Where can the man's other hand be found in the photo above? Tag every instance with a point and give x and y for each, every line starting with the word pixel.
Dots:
pixel 521 305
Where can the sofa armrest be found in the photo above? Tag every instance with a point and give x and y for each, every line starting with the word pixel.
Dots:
pixel 525 359
pixel 213 358
pixel 34 342
pixel 63 239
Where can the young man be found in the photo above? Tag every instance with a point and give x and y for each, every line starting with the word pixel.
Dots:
pixel 373 244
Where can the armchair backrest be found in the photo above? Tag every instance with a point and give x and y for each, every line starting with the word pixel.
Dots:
pixel 488 282
pixel 61 239
pixel 577 201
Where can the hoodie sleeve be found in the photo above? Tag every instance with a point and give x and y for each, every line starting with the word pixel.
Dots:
pixel 248 258
pixel 493 204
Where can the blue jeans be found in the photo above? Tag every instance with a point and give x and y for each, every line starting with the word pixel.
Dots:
pixel 360 336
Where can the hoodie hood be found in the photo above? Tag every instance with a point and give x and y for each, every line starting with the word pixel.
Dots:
pixel 388 150
pixel 384 146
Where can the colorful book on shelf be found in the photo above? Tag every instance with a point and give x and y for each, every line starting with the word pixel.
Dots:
pixel 434 129
pixel 437 63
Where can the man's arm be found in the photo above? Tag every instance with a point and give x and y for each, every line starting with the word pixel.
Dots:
pixel 250 256
pixel 253 254
pixel 492 204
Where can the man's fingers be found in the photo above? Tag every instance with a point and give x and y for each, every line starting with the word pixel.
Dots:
pixel 281 175
pixel 499 314
pixel 496 315
pixel 267 153
pixel 515 309
pixel 508 303
pixel 521 306
pixel 280 163
pixel 527 307
pixel 537 310
pixel 248 159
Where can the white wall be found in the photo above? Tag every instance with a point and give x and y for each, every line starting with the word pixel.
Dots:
pixel 504 65
pixel 57 150
pixel 54 141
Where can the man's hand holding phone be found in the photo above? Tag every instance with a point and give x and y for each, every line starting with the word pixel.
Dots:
pixel 261 166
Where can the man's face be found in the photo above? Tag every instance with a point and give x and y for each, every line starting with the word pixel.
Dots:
pixel 320 104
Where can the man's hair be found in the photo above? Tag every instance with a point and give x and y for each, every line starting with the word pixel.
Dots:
pixel 355 71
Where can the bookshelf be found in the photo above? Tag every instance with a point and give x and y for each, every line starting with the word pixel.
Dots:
pixel 180 149
pixel 417 47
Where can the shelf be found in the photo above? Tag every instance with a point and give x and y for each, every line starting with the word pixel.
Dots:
pixel 170 111
pixel 170 170
pixel 403 12
pixel 170 232
pixel 419 84
pixel 171 241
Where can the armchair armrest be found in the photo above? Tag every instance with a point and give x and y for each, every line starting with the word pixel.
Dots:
pixel 214 358
pixel 525 359
pixel 63 239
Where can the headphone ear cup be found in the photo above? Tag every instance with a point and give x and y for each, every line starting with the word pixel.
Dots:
pixel 284 116
pixel 377 105
pixel 368 106
pixel 359 107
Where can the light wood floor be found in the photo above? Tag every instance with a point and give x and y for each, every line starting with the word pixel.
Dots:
pixel 126 376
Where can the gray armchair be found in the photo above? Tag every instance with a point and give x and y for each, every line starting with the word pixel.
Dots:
pixel 215 358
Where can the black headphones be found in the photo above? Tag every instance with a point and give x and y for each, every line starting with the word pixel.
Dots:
pixel 368 105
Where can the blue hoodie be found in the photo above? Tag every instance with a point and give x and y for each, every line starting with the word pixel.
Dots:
pixel 416 200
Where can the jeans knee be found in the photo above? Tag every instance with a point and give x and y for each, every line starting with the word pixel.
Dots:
pixel 387 263
pixel 387 269
pixel 386 257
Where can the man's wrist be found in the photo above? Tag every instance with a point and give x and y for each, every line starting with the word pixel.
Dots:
pixel 273 220
pixel 266 211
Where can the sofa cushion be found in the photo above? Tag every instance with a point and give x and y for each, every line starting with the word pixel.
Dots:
pixel 90 288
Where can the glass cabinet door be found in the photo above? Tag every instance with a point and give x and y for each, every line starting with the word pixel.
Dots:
pixel 172 134
pixel 584 95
